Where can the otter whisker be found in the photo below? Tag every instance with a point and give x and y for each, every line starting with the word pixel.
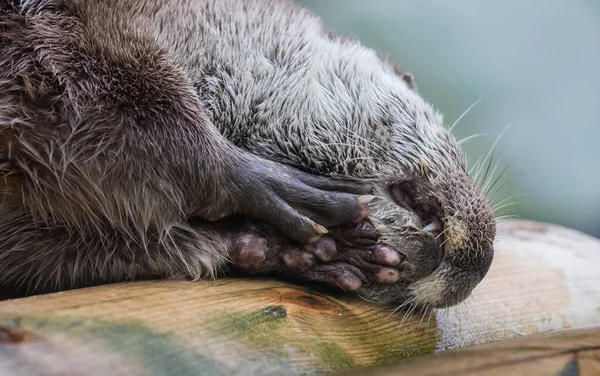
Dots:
pixel 487 190
pixel 490 173
pixel 465 112
pixel 502 214
pixel 475 167
pixel 424 313
pixel 428 320
pixel 404 304
pixel 498 199
pixel 444 242
pixel 504 217
pixel 443 232
pixel 496 195
pixel 468 138
pixel 493 148
pixel 509 216
pixel 411 311
pixel 506 168
pixel 508 181
pixel 462 308
pixel 495 204
pixel 446 229
pixel 407 314
pixel 487 170
pixel 505 205
pixel 477 172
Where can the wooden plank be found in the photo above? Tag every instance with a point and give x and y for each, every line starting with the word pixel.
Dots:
pixel 543 278
pixel 563 352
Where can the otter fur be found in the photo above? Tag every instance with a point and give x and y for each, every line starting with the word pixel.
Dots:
pixel 182 139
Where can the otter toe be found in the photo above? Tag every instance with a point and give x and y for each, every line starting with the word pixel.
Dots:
pixel 360 234
pixel 332 184
pixel 383 255
pixel 386 275
pixel 348 282
pixel 297 260
pixel 337 275
pixel 250 252
pixel 325 249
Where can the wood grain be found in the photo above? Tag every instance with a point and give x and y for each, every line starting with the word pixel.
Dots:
pixel 543 278
pixel 564 352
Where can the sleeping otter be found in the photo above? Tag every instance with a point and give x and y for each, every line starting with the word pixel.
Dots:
pixel 180 139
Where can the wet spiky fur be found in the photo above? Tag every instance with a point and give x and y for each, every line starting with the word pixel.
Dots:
pixel 270 77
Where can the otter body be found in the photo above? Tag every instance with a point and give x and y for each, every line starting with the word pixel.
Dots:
pixel 132 132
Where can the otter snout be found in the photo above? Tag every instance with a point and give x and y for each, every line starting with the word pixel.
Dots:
pixel 486 265
pixel 445 233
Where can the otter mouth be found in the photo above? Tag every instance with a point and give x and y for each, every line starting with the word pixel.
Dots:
pixel 430 223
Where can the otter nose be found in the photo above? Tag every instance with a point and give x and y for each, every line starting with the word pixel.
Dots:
pixel 486 267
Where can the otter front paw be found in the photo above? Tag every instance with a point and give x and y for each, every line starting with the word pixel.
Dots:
pixel 347 258
pixel 301 205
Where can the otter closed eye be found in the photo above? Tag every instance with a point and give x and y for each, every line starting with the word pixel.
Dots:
pixel 402 195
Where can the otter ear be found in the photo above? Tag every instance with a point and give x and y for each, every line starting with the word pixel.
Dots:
pixel 407 77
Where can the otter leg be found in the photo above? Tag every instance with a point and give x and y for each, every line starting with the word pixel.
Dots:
pixel 346 258
pixel 100 127
pixel 37 257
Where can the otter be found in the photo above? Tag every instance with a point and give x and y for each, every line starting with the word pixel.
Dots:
pixel 187 139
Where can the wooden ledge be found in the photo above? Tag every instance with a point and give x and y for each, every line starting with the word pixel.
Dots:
pixel 563 353
pixel 543 278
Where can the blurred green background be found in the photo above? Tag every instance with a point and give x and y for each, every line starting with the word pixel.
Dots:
pixel 536 66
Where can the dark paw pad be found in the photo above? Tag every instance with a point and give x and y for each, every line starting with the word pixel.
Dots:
pixel 297 260
pixel 346 258
pixel 250 252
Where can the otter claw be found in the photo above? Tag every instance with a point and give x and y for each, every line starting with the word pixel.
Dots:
pixel 365 199
pixel 320 230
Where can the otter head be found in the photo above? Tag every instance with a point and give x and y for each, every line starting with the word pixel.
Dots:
pixel 433 212
pixel 368 121
pixel 428 206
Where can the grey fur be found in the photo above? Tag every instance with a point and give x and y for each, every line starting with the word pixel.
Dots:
pixel 271 78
